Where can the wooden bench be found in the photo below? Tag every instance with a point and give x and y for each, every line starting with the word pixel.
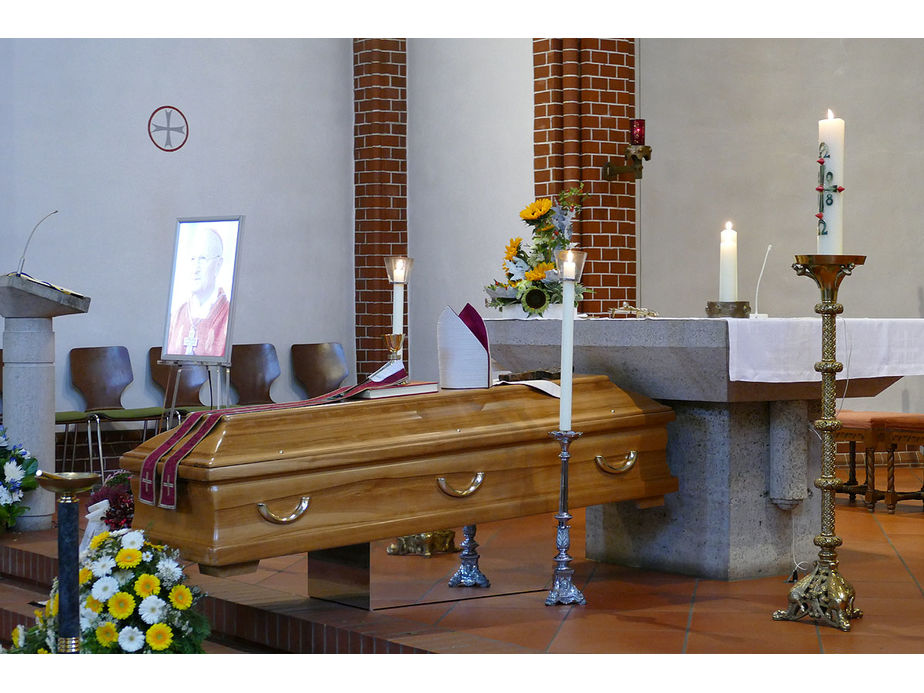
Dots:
pixel 878 430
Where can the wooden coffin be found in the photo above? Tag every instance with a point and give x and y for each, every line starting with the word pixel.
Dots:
pixel 370 470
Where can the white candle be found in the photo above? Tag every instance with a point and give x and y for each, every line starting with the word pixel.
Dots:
pixel 569 268
pixel 728 264
pixel 567 349
pixel 831 135
pixel 397 312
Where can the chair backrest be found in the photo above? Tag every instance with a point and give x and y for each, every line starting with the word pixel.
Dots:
pixel 192 377
pixel 101 375
pixel 319 368
pixel 254 368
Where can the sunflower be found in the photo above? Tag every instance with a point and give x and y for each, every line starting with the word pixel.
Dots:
pixel 181 597
pixel 512 248
pixel 107 634
pixel 159 636
pixel 146 585
pixel 128 558
pixel 538 272
pixel 121 605
pixel 535 210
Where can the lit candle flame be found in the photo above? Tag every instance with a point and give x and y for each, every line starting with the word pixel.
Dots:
pixel 728 225
pixel 830 114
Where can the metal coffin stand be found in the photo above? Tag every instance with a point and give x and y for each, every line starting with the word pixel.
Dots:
pixel 310 479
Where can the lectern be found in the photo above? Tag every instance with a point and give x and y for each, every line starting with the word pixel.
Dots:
pixel 28 307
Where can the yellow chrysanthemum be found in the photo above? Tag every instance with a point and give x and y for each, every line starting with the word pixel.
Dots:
pixel 512 248
pixel 38 616
pixel 94 605
pixel 536 209
pixel 84 575
pixel 17 636
pixel 98 539
pixel 107 634
pixel 181 597
pixel 146 585
pixel 42 650
pixel 51 606
pixel 159 636
pixel 128 558
pixel 121 605
pixel 538 272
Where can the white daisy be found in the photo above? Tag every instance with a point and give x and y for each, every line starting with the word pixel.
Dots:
pixel 147 556
pixel 88 618
pixel 131 639
pixel 152 609
pixel 104 588
pixel 123 576
pixel 13 472
pixel 169 571
pixel 133 539
pixel 102 566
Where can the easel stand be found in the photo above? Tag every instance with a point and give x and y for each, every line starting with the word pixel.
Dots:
pixel 219 386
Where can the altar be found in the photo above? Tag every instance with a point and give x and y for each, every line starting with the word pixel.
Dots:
pixel 742 446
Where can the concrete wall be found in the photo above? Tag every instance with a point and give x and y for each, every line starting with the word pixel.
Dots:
pixel 733 126
pixel 270 137
pixel 470 172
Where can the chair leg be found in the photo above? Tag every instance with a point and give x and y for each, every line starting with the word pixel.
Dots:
pixel 871 495
pixel 99 445
pixel 891 498
pixel 852 469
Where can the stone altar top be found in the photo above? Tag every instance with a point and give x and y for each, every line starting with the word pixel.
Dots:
pixel 718 359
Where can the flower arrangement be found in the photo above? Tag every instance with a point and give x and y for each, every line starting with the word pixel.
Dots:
pixel 132 599
pixel 17 474
pixel 532 280
pixel 118 491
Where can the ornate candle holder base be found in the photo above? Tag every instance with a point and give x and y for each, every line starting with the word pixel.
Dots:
pixel 563 590
pixel 66 486
pixel 469 574
pixel 728 309
pixel 824 595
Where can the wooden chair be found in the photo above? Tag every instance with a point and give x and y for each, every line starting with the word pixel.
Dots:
pixel 319 368
pixel 254 368
pixel 878 430
pixel 101 375
pixel 185 380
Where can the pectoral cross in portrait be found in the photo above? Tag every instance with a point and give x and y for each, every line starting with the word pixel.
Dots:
pixel 191 341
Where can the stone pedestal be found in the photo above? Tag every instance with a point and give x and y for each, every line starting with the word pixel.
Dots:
pixel 744 452
pixel 28 308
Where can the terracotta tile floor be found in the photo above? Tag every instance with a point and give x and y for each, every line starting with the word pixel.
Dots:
pixel 638 611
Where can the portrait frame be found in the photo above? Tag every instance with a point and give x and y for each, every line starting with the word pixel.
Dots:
pixel 192 332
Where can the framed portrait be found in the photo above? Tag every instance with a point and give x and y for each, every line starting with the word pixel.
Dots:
pixel 199 307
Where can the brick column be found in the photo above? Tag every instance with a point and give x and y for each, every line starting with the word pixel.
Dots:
pixel 584 99
pixel 380 188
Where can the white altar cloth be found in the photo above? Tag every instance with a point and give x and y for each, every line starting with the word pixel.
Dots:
pixel 779 350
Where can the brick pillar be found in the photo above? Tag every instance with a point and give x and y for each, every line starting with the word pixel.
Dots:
pixel 584 99
pixel 380 188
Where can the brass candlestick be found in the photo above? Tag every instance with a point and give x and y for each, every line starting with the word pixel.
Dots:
pixel 824 594
pixel 66 486
pixel 394 342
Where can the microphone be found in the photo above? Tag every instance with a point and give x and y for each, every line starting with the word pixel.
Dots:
pixel 22 260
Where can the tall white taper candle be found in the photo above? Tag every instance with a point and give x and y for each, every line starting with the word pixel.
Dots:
pixel 567 350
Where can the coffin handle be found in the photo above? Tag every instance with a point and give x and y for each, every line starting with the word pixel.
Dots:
pixel 456 493
pixel 270 516
pixel 627 463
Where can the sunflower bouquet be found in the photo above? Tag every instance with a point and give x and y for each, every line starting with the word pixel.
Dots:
pixel 132 599
pixel 531 278
pixel 17 475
